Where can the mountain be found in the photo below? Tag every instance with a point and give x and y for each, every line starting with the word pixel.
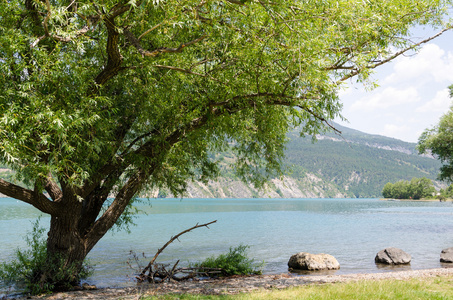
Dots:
pixel 353 164
pixel 359 164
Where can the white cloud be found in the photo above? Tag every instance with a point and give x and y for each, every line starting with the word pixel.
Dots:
pixel 386 98
pixel 431 64
pixel 412 95
pixel 440 103
pixel 396 130
pixel 345 90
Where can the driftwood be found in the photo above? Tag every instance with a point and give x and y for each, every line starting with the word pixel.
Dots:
pixel 156 273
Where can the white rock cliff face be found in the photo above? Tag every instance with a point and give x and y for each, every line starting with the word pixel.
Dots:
pixel 310 186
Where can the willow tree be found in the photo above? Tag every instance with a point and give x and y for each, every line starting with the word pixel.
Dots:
pixel 101 100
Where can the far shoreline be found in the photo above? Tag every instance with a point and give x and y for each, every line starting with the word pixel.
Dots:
pixel 417 200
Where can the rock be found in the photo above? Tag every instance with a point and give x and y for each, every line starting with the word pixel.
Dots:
pixel 446 256
pixel 392 256
pixel 312 262
pixel 86 286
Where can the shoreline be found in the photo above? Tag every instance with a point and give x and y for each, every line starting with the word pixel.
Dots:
pixel 236 285
pixel 419 200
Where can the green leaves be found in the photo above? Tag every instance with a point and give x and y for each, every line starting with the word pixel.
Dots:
pixel 235 262
pixel 181 80
pixel 439 142
pixel 415 189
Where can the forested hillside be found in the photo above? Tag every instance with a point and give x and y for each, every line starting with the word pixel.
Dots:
pixel 353 164
pixel 359 164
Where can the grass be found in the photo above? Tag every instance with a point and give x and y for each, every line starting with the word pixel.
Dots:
pixel 235 262
pixel 422 288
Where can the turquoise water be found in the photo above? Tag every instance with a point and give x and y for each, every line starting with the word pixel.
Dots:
pixel 352 230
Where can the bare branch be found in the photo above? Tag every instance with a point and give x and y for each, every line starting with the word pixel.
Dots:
pixel 142 276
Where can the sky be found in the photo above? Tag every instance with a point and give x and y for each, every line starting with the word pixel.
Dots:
pixel 412 94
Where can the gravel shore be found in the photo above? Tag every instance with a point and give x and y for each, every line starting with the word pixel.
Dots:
pixel 237 284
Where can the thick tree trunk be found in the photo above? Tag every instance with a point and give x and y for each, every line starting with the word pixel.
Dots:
pixel 66 252
pixel 75 226
pixel 75 232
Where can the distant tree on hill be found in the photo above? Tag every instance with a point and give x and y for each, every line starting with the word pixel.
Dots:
pixel 415 189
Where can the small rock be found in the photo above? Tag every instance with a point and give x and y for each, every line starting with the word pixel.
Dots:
pixel 312 262
pixel 392 256
pixel 446 256
pixel 88 287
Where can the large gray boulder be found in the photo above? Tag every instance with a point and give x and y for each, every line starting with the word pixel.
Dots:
pixel 446 256
pixel 392 256
pixel 313 262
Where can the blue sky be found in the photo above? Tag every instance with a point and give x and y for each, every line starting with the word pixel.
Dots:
pixel 412 93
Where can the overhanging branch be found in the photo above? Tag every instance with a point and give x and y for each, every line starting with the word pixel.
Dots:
pixel 38 200
pixel 399 53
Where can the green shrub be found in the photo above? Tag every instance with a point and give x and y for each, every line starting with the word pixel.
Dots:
pixel 25 271
pixel 235 262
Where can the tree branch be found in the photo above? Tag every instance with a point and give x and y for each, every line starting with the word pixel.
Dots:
pixel 401 52
pixel 152 28
pixel 142 276
pixel 149 149
pixel 52 188
pixel 115 58
pixel 136 43
pixel 178 69
pixel 188 72
pixel 38 200
pixel 228 107
pixel 115 210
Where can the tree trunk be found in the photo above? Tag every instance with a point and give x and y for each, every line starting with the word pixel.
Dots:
pixel 66 252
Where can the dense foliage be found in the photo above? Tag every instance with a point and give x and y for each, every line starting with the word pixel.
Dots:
pixel 415 189
pixel 439 141
pixel 101 100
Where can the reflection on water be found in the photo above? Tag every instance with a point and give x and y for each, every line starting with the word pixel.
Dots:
pixel 311 273
pixel 352 230
pixel 390 268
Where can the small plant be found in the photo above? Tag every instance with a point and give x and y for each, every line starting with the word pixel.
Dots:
pixel 235 262
pixel 25 272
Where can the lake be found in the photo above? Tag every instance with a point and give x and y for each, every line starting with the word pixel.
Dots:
pixel 352 230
